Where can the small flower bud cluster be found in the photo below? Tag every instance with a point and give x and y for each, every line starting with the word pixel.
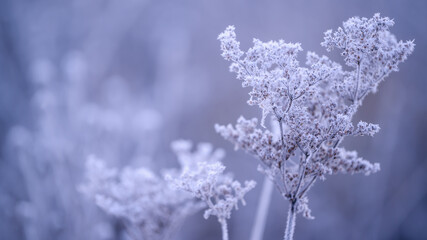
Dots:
pixel 369 47
pixel 148 204
pixel 205 179
pixel 153 207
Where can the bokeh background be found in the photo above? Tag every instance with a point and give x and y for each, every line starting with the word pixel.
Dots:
pixel 123 78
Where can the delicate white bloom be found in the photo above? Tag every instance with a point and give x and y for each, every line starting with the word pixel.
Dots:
pixel 229 46
pixel 302 207
pixel 70 123
pixel 154 206
pixel 368 45
pixel 364 128
pixel 189 160
pixel 203 176
pixel 149 205
pixel 253 140
pixel 270 69
pixel 313 105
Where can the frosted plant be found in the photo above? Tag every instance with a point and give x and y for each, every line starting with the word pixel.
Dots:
pixel 70 122
pixel 149 206
pixel 203 176
pixel 153 207
pixel 312 107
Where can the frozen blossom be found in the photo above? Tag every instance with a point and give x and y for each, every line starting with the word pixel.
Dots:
pixel 313 105
pixel 150 207
pixel 369 47
pixel 203 176
pixel 70 122
pixel 246 136
pixel 263 68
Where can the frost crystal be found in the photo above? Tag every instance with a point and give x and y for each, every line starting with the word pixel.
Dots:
pixel 312 106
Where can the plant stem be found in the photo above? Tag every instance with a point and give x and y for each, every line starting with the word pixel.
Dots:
pixel 290 222
pixel 262 211
pixel 224 229
pixel 307 187
pixel 356 93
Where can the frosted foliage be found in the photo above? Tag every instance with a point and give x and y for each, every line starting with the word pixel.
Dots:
pixel 75 115
pixel 263 68
pixel 368 45
pixel 148 204
pixel 313 106
pixel 154 206
pixel 253 140
pixel 203 176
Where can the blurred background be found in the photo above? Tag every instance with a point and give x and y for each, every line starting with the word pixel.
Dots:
pixel 123 78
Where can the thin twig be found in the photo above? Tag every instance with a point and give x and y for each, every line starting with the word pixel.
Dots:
pixel 307 187
pixel 303 166
pixel 356 93
pixel 301 173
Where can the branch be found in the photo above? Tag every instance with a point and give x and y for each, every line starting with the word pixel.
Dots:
pixel 356 93
pixel 307 186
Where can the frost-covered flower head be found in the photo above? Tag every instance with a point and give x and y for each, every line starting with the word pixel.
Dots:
pixel 149 206
pixel 312 106
pixel 368 45
pixel 203 176
pixel 189 159
pixel 154 206
pixel 69 122
pixel 270 69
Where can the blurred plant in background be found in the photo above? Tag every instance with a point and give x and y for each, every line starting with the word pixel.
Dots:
pixel 202 176
pixel 70 122
pixel 147 204
pixel 77 107
pixel 155 208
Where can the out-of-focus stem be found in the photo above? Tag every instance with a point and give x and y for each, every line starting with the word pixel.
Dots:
pixel 224 229
pixel 262 211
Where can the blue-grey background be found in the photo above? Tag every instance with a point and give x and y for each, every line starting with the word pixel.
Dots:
pixel 150 71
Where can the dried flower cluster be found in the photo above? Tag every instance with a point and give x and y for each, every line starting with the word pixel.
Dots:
pixel 153 207
pixel 149 206
pixel 203 176
pixel 70 122
pixel 369 47
pixel 313 106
